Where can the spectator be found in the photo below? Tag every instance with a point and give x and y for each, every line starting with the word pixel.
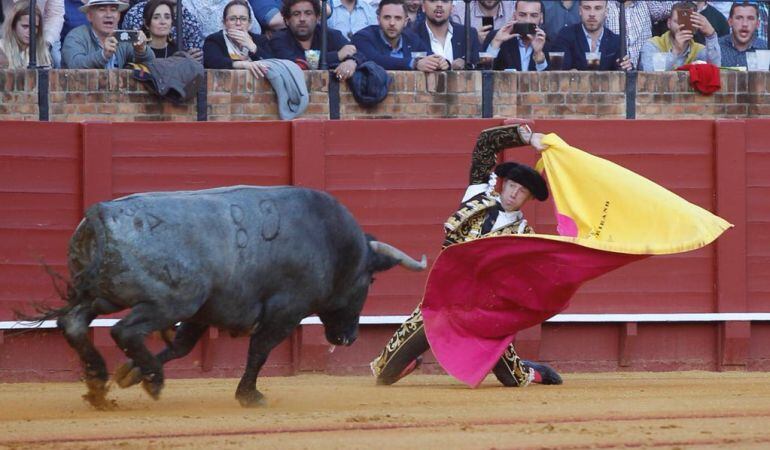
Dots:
pixel 208 13
pixel 715 18
pixel 640 16
pixel 93 46
pixel 678 42
pixel 591 35
pixel 723 6
pixel 350 16
pixel 73 17
pixel 414 12
pixel 764 12
pixel 158 21
pixel 235 47
pixel 53 21
pixel 444 37
pixel 268 13
pixel 520 53
pixel 390 45
pixel 303 33
pixel 500 11
pixel 135 19
pixel 744 21
pixel 14 44
pixel 558 14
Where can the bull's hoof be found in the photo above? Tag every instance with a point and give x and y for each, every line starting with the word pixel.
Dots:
pixel 153 385
pixel 97 395
pixel 127 375
pixel 251 399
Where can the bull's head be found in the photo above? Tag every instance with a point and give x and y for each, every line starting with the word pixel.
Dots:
pixel 341 325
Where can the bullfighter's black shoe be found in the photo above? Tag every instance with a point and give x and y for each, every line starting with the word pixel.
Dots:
pixel 547 374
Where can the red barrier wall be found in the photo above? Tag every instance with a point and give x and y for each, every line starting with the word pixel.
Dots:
pixel 400 179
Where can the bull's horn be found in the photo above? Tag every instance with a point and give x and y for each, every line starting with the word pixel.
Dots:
pixel 404 259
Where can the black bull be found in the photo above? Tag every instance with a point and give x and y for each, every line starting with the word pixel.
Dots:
pixel 251 260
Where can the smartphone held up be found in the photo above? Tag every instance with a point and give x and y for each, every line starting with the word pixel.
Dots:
pixel 130 36
pixel 524 29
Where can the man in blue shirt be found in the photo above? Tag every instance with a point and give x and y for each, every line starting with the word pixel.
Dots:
pixel 350 16
pixel 268 14
pixel 744 21
pixel 390 45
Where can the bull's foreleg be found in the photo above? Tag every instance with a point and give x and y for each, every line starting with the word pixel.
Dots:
pixel 130 334
pixel 74 324
pixel 260 345
pixel 185 338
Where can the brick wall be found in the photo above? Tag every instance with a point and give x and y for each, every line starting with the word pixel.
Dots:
pixel 76 95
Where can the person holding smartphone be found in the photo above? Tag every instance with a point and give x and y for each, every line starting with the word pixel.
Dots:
pixel 95 46
pixel 520 44
pixel 486 15
pixel 678 45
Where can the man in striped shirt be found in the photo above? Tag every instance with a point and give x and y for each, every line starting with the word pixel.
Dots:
pixel 640 15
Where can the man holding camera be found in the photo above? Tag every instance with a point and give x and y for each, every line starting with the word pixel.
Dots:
pixel 486 15
pixel 520 44
pixel 677 43
pixel 96 45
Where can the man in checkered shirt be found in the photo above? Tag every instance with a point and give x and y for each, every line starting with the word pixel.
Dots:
pixel 640 15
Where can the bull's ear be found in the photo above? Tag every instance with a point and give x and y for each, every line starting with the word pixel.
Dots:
pixel 379 262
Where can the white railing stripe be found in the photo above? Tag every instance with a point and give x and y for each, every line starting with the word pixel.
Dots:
pixel 559 318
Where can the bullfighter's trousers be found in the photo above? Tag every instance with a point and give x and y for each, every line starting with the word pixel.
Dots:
pixel 409 342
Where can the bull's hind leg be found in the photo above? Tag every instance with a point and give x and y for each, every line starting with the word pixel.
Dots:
pixel 74 324
pixel 130 334
pixel 185 338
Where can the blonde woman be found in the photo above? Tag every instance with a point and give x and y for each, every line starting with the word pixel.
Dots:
pixel 14 45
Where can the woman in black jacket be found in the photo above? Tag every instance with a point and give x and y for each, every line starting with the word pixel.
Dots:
pixel 235 47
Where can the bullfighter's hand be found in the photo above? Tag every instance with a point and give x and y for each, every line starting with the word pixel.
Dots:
pixel 536 141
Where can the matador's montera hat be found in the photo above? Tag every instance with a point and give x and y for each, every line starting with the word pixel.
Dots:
pixel 525 176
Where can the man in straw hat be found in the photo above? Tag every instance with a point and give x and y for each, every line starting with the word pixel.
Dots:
pixel 95 45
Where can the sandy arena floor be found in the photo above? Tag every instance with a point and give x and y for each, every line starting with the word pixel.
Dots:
pixel 639 410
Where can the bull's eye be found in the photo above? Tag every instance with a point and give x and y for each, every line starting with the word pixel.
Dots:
pixel 372 280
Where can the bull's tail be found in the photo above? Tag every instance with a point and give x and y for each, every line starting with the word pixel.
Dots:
pixel 86 249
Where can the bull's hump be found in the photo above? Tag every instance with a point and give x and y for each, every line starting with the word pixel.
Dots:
pixel 204 192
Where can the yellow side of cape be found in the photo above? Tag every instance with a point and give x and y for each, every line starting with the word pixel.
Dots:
pixel 604 206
